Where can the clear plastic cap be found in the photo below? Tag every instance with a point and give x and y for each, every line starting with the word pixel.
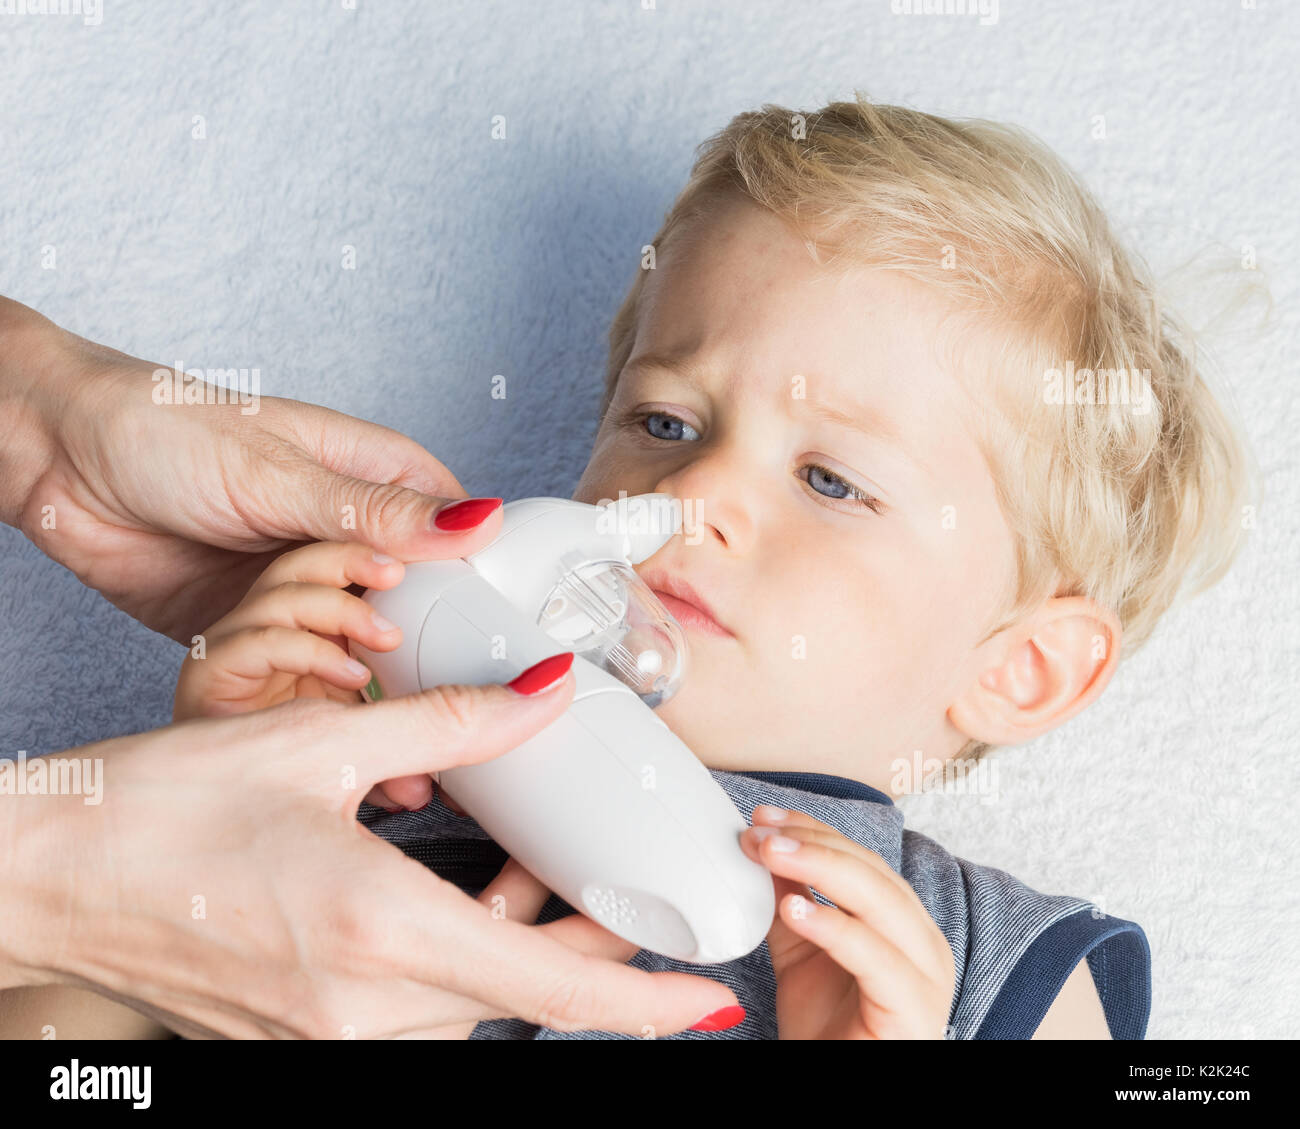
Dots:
pixel 604 612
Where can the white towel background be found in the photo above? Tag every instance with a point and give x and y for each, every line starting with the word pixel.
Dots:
pixel 1170 802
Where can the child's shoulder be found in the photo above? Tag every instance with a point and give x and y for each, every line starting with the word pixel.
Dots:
pixel 1017 946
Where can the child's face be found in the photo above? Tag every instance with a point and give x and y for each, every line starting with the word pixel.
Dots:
pixel 852 632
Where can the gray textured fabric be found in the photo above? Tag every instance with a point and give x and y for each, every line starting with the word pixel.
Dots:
pixel 991 920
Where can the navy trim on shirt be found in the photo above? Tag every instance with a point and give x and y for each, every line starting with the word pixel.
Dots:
pixel 1119 959
pixel 839 787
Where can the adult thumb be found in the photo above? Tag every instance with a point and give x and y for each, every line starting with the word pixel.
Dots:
pixel 395 519
pixel 457 724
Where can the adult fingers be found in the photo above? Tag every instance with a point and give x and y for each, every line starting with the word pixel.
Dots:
pixel 396 520
pixel 526 971
pixel 515 895
pixel 367 450
pixel 326 476
pixel 446 726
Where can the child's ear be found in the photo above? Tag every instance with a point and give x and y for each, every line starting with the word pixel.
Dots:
pixel 1042 673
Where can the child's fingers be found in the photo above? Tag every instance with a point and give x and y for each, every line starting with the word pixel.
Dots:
pixel 781 939
pixel 887 977
pixel 311 607
pixel 833 840
pixel 377 797
pixel 409 793
pixel 521 896
pixel 858 888
pixel 766 815
pixel 256 653
pixel 333 563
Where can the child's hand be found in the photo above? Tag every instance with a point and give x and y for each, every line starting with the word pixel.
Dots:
pixel 875 966
pixel 287 638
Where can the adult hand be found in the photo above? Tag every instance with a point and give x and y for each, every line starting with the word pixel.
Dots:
pixel 171 511
pixel 224 887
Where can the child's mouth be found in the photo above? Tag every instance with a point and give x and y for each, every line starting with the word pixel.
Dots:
pixel 689 616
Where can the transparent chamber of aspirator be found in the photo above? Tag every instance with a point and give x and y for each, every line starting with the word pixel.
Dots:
pixel 604 612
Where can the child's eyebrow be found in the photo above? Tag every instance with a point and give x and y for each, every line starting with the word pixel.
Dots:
pixel 679 365
pixel 870 422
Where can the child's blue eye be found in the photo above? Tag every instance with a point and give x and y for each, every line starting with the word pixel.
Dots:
pixel 662 425
pixel 673 426
pixel 851 492
pixel 841 488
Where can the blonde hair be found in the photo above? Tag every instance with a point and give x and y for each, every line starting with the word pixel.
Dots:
pixel 1121 506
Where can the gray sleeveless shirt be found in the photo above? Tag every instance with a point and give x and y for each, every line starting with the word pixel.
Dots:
pixel 1012 946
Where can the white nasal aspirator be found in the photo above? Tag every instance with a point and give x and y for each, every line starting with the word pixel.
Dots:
pixel 606 805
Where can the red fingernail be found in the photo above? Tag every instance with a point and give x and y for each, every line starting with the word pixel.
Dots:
pixel 543 675
pixel 466 514
pixel 721 1020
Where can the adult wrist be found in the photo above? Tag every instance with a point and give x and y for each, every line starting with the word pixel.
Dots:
pixel 29 399
pixel 36 835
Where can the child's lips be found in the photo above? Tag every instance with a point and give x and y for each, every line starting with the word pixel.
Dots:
pixel 685 603
pixel 689 616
